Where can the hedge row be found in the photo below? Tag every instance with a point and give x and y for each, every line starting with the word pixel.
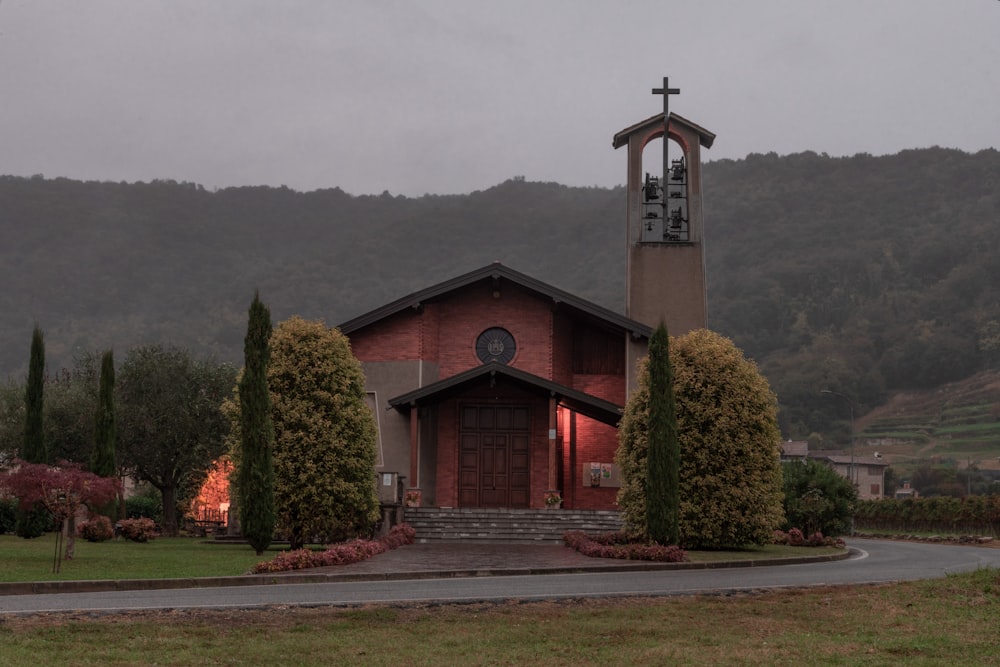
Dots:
pixel 972 515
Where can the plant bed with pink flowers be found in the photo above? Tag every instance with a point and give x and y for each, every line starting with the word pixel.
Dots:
pixel 337 554
pixel 619 545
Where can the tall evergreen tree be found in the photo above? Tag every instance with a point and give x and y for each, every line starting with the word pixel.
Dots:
pixel 102 462
pixel 663 460
pixel 34 450
pixel 255 474
pixel 33 522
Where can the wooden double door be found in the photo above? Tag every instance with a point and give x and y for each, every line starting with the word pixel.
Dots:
pixel 494 456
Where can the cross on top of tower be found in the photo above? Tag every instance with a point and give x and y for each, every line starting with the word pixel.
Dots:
pixel 666 91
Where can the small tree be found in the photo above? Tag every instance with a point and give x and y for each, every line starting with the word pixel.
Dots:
pixel 61 491
pixel 817 499
pixel 663 462
pixel 730 477
pixel 324 446
pixel 255 474
pixel 70 406
pixel 171 426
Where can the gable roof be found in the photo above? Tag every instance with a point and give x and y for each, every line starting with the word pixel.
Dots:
pixel 496 272
pixel 795 448
pixel 705 138
pixel 846 460
pixel 578 401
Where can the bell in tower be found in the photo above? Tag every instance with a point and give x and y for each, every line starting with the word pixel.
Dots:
pixel 665 279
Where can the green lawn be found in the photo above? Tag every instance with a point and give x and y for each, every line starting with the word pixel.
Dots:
pixel 162 558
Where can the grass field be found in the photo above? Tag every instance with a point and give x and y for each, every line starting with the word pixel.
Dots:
pixel 949 621
pixel 162 558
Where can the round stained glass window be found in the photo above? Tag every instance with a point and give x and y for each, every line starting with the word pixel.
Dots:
pixel 495 344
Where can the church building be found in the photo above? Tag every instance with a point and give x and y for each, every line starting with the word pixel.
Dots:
pixel 496 390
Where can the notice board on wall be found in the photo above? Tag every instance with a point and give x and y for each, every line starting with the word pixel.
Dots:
pixel 601 474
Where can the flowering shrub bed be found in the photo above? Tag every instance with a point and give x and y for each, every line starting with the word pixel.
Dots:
pixel 98 529
pixel 138 530
pixel 619 545
pixel 338 554
pixel 796 538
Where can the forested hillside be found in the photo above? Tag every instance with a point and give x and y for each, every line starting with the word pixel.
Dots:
pixel 861 274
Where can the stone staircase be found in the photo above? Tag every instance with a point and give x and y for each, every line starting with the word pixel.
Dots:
pixel 510 526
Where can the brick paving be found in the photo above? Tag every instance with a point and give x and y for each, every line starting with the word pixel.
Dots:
pixel 464 558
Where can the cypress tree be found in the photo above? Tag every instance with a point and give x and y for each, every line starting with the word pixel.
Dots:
pixel 102 462
pixel 663 459
pixel 33 522
pixel 255 472
pixel 34 450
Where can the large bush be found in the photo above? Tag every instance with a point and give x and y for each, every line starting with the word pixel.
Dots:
pixel 324 444
pixel 730 477
pixel 138 530
pixel 97 529
pixel 817 499
pixel 144 506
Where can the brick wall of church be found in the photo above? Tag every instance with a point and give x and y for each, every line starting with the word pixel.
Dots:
pixel 562 350
pixel 396 338
pixel 609 387
pixel 595 443
pixel 467 313
pixel 446 488
pixel 430 332
pixel 443 334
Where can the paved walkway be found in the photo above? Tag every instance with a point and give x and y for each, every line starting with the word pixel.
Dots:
pixel 463 558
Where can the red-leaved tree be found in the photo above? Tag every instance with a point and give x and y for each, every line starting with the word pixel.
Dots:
pixel 62 490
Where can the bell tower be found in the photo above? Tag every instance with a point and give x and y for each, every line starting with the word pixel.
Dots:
pixel 664 225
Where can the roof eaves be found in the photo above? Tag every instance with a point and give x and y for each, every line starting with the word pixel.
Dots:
pixel 576 400
pixel 705 137
pixel 496 270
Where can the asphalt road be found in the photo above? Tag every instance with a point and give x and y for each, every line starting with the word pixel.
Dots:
pixel 873 562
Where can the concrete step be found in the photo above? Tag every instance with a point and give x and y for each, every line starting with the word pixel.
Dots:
pixel 506 525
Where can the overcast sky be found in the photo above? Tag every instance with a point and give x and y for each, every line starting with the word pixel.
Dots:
pixel 452 96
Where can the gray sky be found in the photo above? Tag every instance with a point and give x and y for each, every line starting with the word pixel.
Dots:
pixel 451 96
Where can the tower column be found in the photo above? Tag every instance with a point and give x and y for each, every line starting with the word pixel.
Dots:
pixel 664 228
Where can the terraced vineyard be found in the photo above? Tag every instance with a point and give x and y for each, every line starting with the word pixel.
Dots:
pixel 958 423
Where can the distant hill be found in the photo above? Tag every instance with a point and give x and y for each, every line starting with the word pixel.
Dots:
pixel 864 275
pixel 956 423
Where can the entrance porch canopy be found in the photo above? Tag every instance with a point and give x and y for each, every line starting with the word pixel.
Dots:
pixel 590 406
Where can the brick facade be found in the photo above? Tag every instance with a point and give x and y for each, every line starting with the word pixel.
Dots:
pixel 425 342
